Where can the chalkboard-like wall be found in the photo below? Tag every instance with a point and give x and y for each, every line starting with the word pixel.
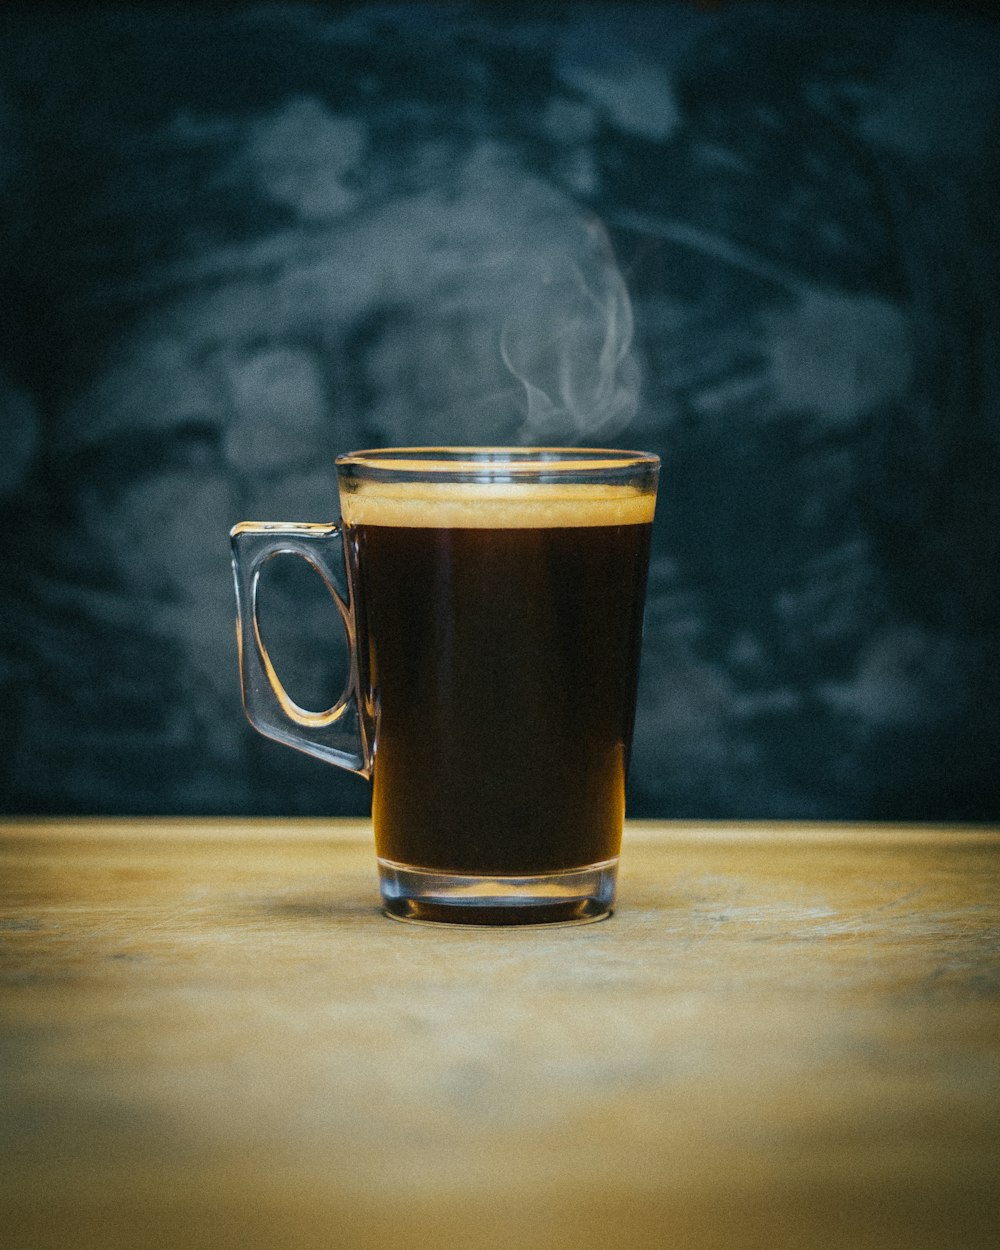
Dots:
pixel 237 240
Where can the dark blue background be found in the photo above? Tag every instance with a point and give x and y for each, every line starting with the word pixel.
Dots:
pixel 237 240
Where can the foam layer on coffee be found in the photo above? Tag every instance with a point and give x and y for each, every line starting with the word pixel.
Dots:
pixel 494 505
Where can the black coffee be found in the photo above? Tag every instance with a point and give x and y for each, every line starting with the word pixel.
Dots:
pixel 501 664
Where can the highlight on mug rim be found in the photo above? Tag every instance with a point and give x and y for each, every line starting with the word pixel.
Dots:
pixel 540 464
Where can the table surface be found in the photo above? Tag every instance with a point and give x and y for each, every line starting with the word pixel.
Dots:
pixel 787 1036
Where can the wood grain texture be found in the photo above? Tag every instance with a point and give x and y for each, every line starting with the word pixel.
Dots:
pixel 788 1036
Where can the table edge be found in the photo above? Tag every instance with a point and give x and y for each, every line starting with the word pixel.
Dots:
pixel 338 829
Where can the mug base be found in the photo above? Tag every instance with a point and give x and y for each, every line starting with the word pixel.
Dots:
pixel 426 896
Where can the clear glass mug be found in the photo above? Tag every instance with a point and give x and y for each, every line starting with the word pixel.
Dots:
pixel 492 600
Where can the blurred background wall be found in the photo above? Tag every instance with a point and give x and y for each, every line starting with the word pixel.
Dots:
pixel 237 240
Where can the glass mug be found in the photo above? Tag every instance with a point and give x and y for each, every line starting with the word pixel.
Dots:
pixel 493 604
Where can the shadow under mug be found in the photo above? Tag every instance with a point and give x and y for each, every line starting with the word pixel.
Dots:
pixel 492 600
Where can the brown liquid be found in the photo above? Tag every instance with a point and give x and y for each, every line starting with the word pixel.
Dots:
pixel 501 665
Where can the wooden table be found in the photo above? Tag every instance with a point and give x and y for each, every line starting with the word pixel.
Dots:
pixel 788 1036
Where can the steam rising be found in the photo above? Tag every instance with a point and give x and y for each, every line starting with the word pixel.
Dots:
pixel 567 338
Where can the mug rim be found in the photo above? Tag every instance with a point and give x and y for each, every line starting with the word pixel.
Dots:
pixel 490 461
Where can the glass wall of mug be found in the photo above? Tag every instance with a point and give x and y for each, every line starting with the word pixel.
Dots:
pixel 493 600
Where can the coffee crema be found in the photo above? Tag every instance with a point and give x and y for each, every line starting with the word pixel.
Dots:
pixel 495 505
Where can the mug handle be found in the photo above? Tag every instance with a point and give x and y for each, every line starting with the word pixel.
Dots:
pixel 337 735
